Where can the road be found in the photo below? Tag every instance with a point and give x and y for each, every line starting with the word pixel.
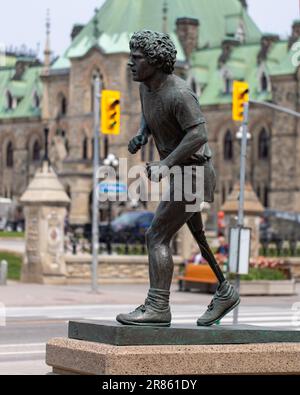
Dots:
pixel 23 339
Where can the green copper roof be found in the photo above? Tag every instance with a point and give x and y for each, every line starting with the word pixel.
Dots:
pixel 22 90
pixel 242 65
pixel 118 19
pixel 286 61
pixel 8 61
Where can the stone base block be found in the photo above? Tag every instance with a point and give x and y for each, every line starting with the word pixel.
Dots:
pixel 68 356
pixel 261 287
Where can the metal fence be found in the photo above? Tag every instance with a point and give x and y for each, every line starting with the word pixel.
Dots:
pixel 112 244
pixel 281 248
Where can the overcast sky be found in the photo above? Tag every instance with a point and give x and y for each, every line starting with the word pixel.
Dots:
pixel 23 22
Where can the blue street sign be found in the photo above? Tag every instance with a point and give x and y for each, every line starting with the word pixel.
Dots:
pixel 107 187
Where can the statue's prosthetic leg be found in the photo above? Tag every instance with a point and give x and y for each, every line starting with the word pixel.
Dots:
pixel 195 225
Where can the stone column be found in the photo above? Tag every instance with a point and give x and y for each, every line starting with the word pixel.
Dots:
pixel 45 203
pixel 80 207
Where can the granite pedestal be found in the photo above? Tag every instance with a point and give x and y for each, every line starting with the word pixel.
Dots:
pixel 95 348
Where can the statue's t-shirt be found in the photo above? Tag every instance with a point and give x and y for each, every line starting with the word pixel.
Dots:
pixel 170 112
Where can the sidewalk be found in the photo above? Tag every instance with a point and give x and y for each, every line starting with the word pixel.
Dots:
pixel 31 295
pixel 12 245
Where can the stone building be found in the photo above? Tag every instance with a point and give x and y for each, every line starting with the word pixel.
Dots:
pixel 217 42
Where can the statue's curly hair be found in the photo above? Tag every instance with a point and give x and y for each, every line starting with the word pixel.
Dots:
pixel 157 47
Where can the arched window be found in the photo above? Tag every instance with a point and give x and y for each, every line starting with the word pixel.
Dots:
pixel 223 194
pixel 266 197
pixel 9 155
pixel 36 152
pixel 63 106
pixel 228 146
pixel 263 145
pixel 258 193
pixel 85 149
pixel 151 150
pixel 93 147
pixel 264 82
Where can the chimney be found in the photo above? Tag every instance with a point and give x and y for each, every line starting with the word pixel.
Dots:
pixel 227 46
pixel 76 30
pixel 295 33
pixel 244 4
pixel 188 34
pixel 20 69
pixel 265 45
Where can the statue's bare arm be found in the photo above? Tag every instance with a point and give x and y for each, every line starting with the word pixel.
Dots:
pixel 194 139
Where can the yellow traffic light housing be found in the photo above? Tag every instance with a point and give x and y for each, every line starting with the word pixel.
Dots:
pixel 110 112
pixel 239 97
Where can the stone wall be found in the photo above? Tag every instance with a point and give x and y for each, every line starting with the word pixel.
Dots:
pixel 129 269
pixel 111 269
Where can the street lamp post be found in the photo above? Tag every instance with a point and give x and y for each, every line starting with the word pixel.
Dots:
pixel 244 135
pixel 95 229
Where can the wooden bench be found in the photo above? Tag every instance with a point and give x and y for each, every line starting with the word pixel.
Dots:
pixel 195 275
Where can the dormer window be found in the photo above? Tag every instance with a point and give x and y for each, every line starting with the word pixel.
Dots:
pixel 228 86
pixel 227 78
pixel 264 85
pixel 241 33
pixel 9 101
pixel 36 100
pixel 196 87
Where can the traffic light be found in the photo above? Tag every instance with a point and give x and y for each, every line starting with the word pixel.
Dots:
pixel 240 96
pixel 110 112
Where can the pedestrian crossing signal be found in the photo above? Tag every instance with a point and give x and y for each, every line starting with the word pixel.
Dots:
pixel 239 97
pixel 110 112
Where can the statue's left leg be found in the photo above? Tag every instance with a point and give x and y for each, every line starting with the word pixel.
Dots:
pixel 226 297
pixel 169 218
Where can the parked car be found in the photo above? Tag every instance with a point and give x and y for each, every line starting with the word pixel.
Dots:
pixel 267 233
pixel 277 226
pixel 131 226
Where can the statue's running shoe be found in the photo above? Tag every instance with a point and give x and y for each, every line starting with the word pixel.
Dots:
pixel 224 301
pixel 146 315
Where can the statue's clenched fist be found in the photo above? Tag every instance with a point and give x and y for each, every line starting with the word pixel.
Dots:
pixel 136 143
